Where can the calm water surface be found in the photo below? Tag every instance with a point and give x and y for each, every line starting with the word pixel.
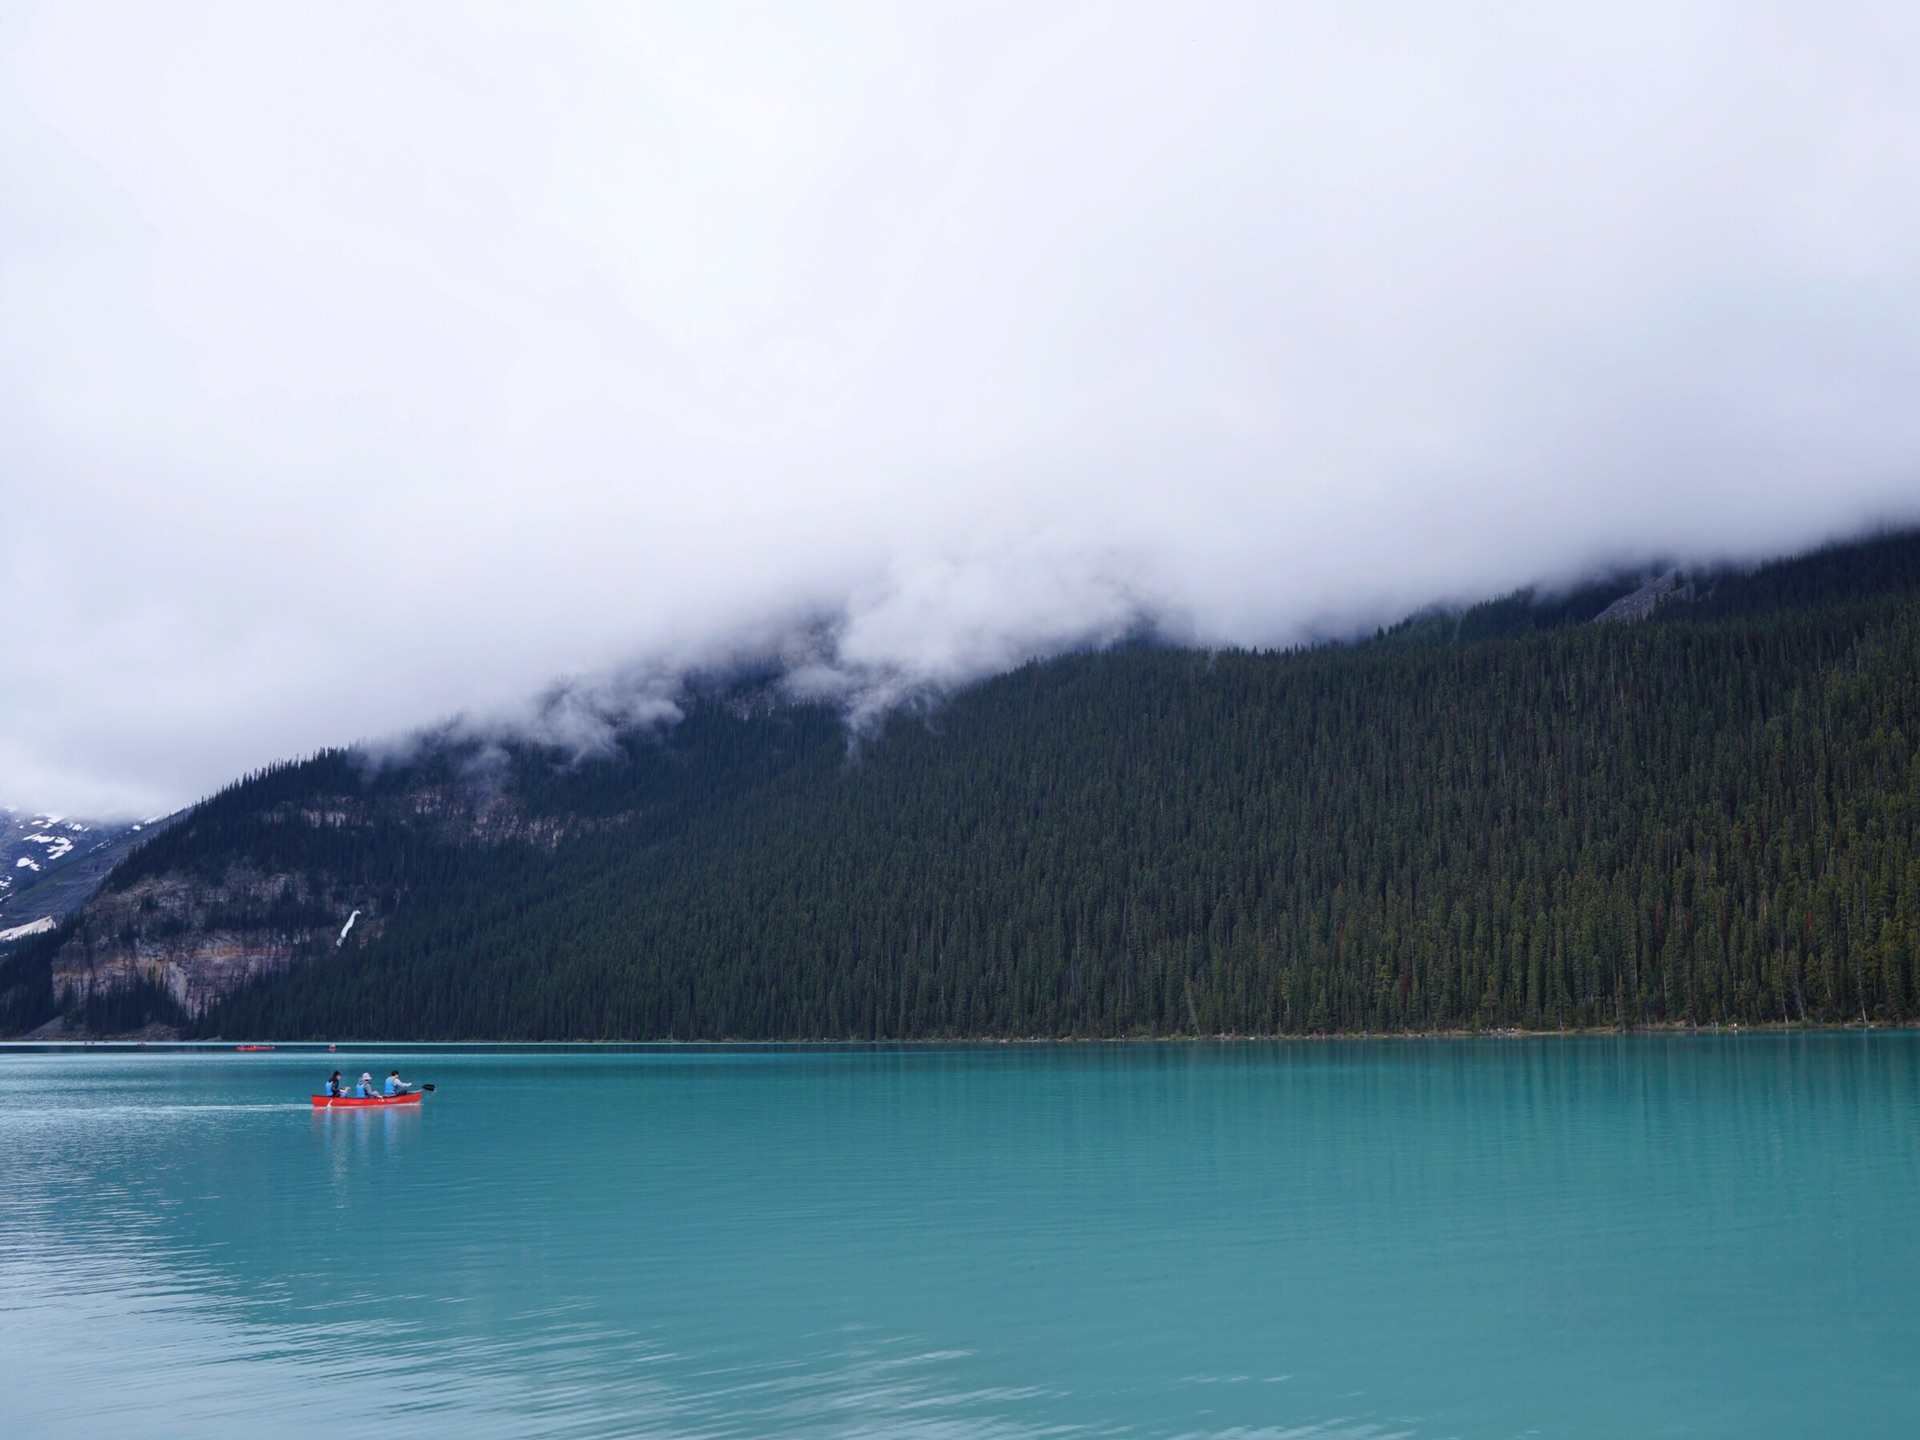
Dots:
pixel 1596 1237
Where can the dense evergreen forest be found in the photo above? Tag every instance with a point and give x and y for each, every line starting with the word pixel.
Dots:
pixel 1509 817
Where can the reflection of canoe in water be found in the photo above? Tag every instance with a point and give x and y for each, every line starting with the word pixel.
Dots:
pixel 354 1102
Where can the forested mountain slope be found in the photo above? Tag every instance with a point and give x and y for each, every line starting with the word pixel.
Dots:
pixel 1511 818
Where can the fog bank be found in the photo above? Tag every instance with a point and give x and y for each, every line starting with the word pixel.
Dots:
pixel 365 365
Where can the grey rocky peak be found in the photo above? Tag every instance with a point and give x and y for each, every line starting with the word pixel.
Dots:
pixel 51 865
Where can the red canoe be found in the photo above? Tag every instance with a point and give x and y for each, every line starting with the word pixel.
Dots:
pixel 351 1102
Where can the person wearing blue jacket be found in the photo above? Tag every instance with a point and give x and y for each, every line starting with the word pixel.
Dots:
pixel 395 1085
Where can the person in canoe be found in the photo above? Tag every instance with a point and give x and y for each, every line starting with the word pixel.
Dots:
pixel 395 1085
pixel 334 1087
pixel 364 1090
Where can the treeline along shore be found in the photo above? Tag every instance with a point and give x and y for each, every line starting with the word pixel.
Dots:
pixel 1508 818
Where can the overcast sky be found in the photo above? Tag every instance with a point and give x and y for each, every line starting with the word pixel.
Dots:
pixel 364 364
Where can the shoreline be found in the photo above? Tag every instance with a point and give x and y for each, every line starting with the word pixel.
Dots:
pixel 149 1041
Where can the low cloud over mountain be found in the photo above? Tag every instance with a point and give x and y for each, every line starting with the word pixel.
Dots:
pixel 366 366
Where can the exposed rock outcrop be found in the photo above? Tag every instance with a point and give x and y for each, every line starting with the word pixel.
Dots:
pixel 1641 604
pixel 199 937
pixel 199 941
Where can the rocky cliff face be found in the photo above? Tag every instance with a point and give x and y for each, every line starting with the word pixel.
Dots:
pixel 200 940
pixel 300 877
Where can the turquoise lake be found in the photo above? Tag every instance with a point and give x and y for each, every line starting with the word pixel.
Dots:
pixel 1672 1236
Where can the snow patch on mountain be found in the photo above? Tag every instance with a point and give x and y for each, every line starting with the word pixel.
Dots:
pixel 50 863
